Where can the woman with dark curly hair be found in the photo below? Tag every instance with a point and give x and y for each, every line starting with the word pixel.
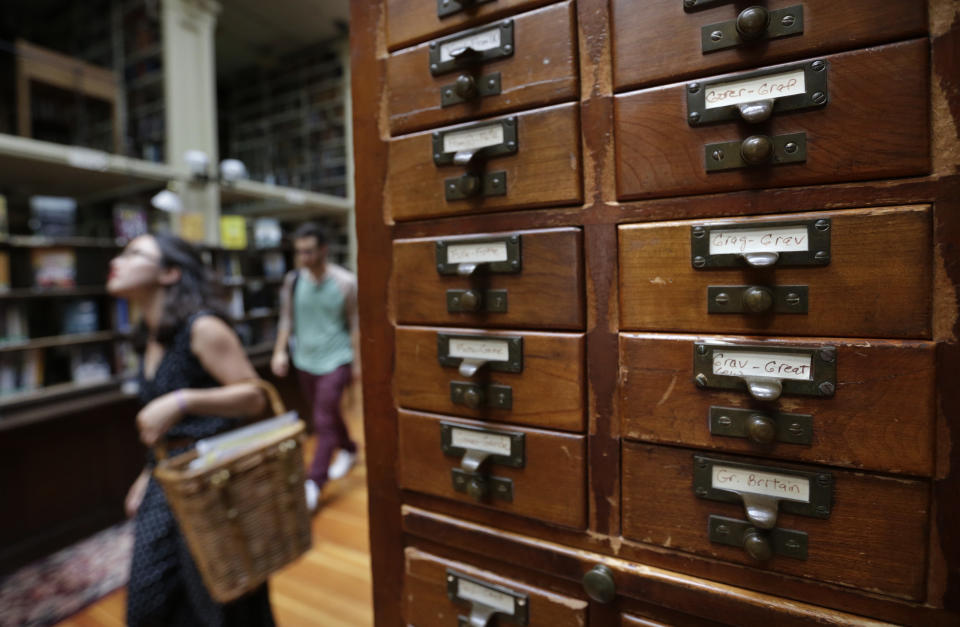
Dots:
pixel 193 384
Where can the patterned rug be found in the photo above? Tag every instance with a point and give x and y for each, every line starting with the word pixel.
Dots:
pixel 56 587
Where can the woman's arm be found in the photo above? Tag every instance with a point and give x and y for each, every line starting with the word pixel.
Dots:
pixel 218 349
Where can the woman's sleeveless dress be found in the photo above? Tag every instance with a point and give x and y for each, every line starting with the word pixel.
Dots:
pixel 165 588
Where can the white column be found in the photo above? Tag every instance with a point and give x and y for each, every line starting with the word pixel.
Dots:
pixel 190 83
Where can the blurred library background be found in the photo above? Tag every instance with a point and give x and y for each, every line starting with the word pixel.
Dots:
pixel 225 122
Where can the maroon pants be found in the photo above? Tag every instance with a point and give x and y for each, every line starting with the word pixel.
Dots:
pixel 323 393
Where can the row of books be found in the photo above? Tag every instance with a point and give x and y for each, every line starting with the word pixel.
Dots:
pixel 26 371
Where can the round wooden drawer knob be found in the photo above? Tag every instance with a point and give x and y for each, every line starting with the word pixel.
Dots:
pixel 599 585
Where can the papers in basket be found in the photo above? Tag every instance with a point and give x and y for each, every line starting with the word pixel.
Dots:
pixel 212 450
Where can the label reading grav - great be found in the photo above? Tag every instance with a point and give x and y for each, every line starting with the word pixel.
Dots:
pixel 473 138
pixel 732 363
pixel 479 441
pixel 486 252
pixel 754 89
pixel 487 40
pixel 499 601
pixel 757 482
pixel 487 350
pixel 760 240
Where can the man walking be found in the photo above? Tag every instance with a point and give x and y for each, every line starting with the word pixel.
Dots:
pixel 317 328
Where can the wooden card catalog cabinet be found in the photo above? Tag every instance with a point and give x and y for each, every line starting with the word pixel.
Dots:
pixel 660 310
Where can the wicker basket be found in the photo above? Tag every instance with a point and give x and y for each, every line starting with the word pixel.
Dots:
pixel 246 517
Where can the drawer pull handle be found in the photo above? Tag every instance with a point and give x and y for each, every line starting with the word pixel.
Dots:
pixel 449 7
pixel 761 509
pixel 760 545
pixel 476 300
pixel 475 396
pixel 469 367
pixel 756 150
pixel 763 388
pixel 466 87
pixel 599 584
pixel 761 260
pixel 752 22
pixel 751 26
pixel 761 428
pixel 758 299
pixel 756 112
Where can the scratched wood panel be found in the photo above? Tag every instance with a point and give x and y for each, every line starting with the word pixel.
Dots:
pixel 544 171
pixel 554 464
pixel 411 21
pixel 542 70
pixel 641 56
pixel 547 293
pixel 875 537
pixel 875 125
pixel 426 604
pixel 881 416
pixel 877 283
pixel 549 392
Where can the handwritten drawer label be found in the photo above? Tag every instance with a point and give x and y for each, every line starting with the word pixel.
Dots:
pixel 787 487
pixel 753 89
pixel 473 138
pixel 488 350
pixel 798 367
pixel 479 441
pixel 470 591
pixel 486 252
pixel 486 40
pixel 763 240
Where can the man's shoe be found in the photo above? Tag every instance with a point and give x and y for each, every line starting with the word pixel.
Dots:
pixel 342 464
pixel 313 494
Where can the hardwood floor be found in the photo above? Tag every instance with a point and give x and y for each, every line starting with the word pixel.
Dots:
pixel 330 585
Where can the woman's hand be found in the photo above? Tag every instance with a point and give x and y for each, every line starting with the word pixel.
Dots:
pixel 280 363
pixel 156 418
pixel 135 494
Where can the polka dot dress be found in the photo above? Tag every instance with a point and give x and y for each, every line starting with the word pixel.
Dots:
pixel 165 588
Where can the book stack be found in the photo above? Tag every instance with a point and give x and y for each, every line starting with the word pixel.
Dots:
pixel 233 232
pixel 54 267
pixel 53 216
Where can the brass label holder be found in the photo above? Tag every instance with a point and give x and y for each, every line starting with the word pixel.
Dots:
pixel 471 47
pixel 487 600
pixel 765 381
pixel 476 396
pixel 473 150
pixel 751 88
pixel 752 26
pixel 760 244
pixel 761 427
pixel 761 501
pixel 474 458
pixel 485 356
pixel 476 253
pixel 449 7
pixel 776 541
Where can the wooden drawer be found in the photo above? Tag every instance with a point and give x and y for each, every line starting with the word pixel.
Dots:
pixel 543 290
pixel 875 535
pixel 642 57
pixel 873 280
pixel 540 69
pixel 549 464
pixel 544 170
pixel 438 590
pixel 864 130
pixel 881 416
pixel 548 392
pixel 411 21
